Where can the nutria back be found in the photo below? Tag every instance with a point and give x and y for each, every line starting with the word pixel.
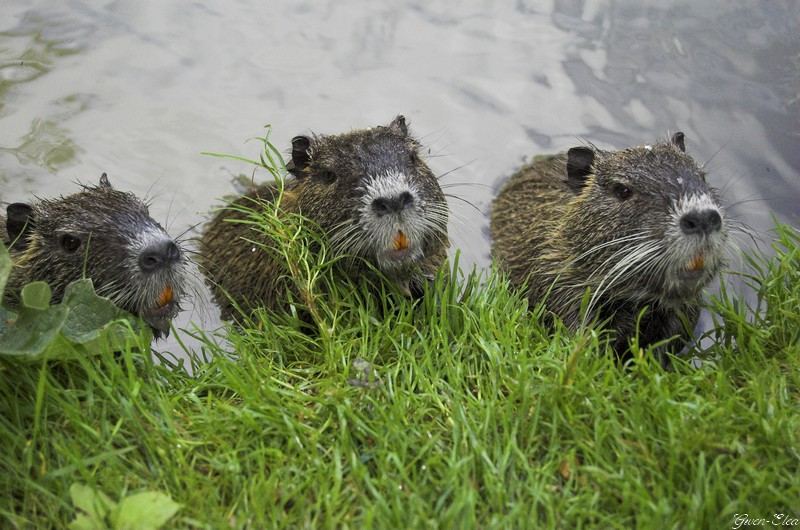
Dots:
pixel 368 190
pixel 103 234
pixel 638 228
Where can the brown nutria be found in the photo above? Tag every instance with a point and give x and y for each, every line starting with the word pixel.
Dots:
pixel 638 228
pixel 102 234
pixel 368 190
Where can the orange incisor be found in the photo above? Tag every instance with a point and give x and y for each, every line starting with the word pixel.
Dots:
pixel 697 264
pixel 400 241
pixel 166 296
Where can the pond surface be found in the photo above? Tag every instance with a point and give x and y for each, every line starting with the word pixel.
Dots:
pixel 139 89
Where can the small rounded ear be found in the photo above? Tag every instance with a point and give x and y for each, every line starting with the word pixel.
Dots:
pixel 19 224
pixel 104 183
pixel 301 156
pixel 677 141
pixel 399 125
pixel 579 166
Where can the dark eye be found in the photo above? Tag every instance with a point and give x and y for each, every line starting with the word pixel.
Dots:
pixel 327 176
pixel 621 192
pixel 70 243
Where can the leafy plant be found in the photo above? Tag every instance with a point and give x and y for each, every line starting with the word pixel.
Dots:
pixel 82 318
pixel 147 510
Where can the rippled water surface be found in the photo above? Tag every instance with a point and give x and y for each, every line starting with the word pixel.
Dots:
pixel 138 89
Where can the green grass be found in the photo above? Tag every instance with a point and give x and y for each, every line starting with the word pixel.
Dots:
pixel 469 415
pixel 459 411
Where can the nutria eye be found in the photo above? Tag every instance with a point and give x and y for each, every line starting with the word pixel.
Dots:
pixel 622 192
pixel 328 177
pixel 70 243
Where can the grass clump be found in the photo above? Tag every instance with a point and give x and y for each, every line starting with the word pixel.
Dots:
pixel 460 410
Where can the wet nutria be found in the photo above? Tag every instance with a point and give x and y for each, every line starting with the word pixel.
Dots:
pixel 370 192
pixel 637 228
pixel 102 234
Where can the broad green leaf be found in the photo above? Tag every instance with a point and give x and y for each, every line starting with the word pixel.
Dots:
pixel 96 504
pixel 7 318
pixel 85 522
pixel 146 510
pixel 36 295
pixel 84 319
pixel 88 312
pixel 32 331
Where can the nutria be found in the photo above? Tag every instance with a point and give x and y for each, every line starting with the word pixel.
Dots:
pixel 639 228
pixel 102 234
pixel 368 190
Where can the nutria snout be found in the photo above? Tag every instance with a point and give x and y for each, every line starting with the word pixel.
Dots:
pixel 370 192
pixel 638 228
pixel 102 234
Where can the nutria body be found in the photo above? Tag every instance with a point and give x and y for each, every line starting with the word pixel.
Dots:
pixel 102 234
pixel 639 228
pixel 369 191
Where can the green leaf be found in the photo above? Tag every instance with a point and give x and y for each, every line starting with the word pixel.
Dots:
pixel 36 295
pixel 94 503
pixel 32 331
pixel 84 522
pixel 7 318
pixel 85 320
pixel 5 268
pixel 88 312
pixel 149 509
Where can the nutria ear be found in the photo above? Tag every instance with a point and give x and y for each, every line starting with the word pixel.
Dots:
pixel 301 156
pixel 579 166
pixel 19 224
pixel 677 141
pixel 104 183
pixel 399 125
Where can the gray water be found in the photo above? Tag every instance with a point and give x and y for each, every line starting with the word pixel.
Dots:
pixel 139 88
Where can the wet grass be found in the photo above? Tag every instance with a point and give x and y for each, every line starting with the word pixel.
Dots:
pixel 459 411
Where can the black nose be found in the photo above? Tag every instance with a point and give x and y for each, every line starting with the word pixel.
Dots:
pixel 387 205
pixel 159 256
pixel 703 222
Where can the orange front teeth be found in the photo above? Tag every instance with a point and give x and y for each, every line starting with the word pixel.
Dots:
pixel 697 264
pixel 166 296
pixel 400 241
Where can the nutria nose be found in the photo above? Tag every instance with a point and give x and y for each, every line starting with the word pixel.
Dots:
pixel 387 205
pixel 703 222
pixel 159 255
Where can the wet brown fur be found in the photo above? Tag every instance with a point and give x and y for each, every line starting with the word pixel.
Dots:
pixel 546 224
pixel 107 221
pixel 238 271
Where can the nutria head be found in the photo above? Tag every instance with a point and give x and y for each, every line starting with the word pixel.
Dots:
pixel 373 195
pixel 368 190
pixel 102 234
pixel 643 224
